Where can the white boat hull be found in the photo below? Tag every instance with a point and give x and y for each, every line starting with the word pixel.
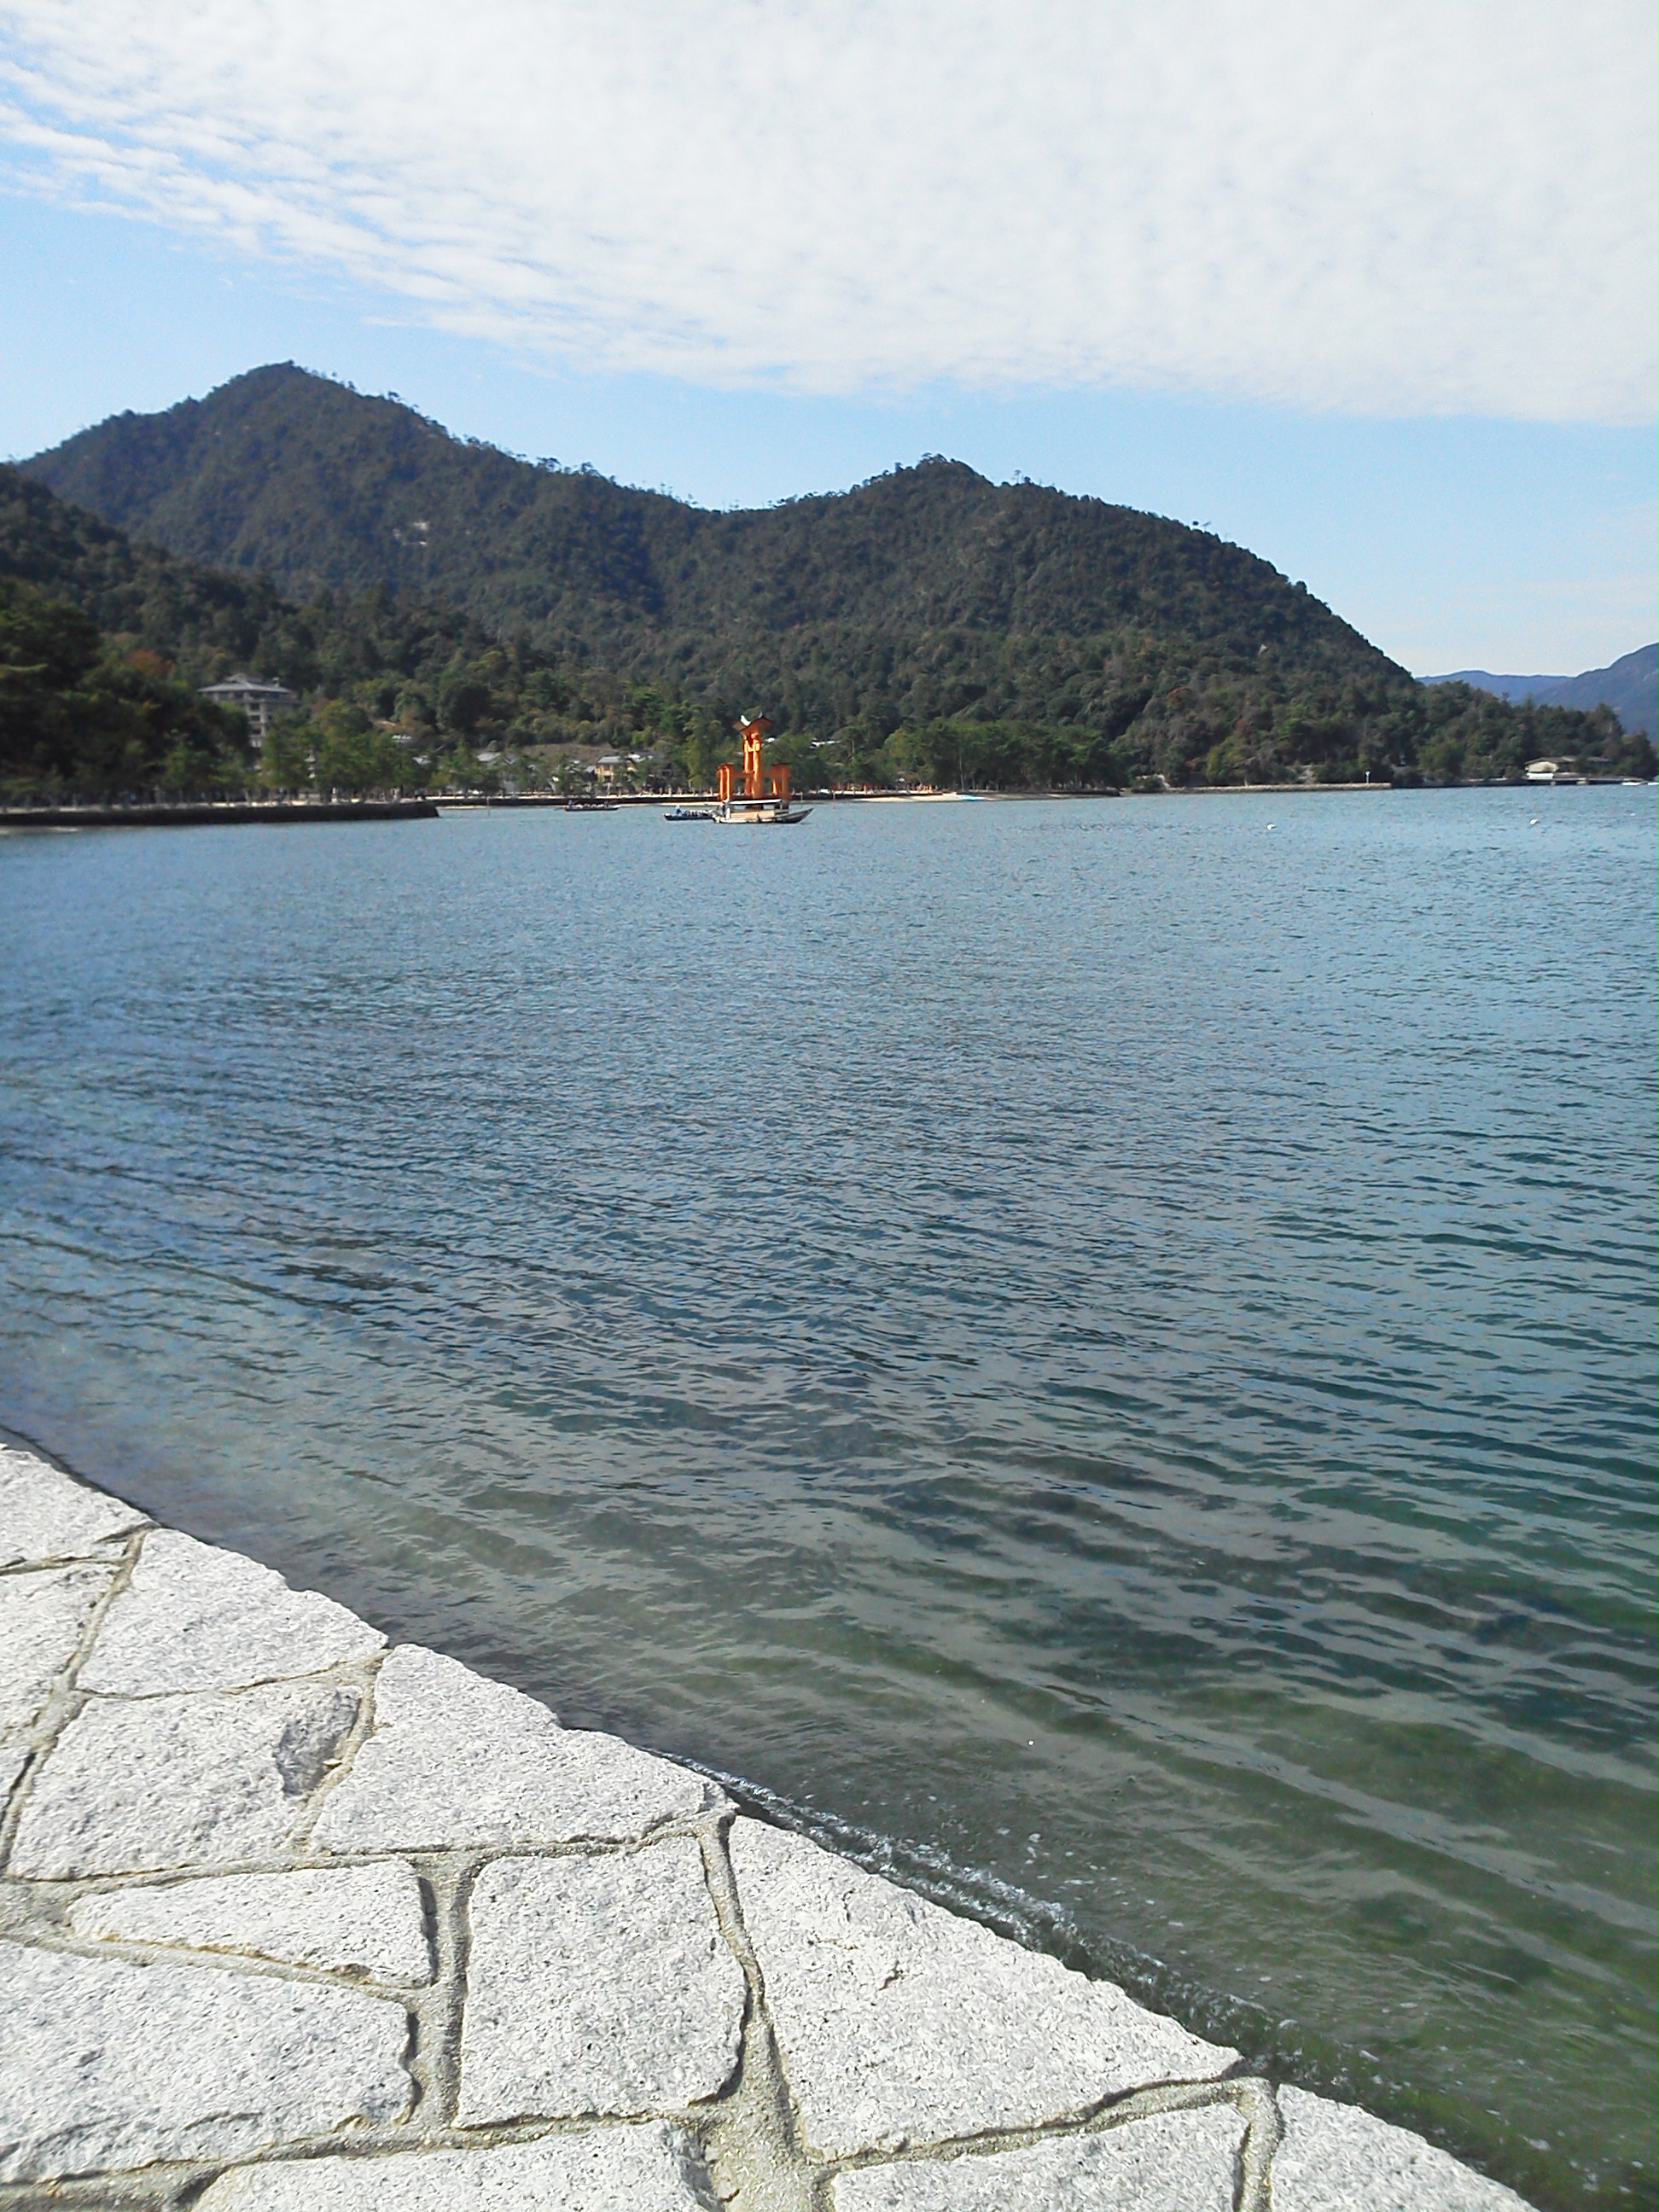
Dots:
pixel 759 813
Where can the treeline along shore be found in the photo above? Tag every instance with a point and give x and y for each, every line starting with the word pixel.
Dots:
pixel 452 619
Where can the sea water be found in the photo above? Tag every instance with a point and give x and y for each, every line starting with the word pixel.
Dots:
pixel 1098 1355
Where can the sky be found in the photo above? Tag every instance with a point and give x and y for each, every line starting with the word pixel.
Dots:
pixel 1369 288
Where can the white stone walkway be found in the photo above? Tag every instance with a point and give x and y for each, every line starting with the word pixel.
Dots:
pixel 290 1922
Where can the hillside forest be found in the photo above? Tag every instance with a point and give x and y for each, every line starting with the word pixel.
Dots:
pixel 928 628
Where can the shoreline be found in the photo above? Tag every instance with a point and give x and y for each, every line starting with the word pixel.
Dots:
pixel 234 813
pixel 295 1917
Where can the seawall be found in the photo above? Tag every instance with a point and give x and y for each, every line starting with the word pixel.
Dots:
pixel 294 1921
pixel 217 813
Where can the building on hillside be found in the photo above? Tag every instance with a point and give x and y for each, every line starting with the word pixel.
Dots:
pixel 257 697
pixel 611 769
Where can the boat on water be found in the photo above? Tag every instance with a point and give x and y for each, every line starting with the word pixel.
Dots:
pixel 911 798
pixel 590 806
pixel 758 811
pixel 678 813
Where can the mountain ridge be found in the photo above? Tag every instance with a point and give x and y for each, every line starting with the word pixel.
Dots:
pixel 1506 687
pixel 1012 630
pixel 1630 685
pixel 182 478
pixel 321 487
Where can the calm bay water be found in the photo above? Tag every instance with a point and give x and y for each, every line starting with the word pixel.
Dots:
pixel 1100 1354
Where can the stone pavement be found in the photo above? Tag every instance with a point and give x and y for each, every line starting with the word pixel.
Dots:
pixel 290 1922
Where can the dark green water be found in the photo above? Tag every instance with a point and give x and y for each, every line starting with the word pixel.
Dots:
pixel 1104 1353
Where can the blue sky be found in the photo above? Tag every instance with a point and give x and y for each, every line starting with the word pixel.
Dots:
pixel 1372 296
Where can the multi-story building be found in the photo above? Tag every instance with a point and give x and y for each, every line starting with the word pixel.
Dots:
pixel 257 697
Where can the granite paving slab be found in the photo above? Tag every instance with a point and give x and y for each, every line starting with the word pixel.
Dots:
pixel 881 2003
pixel 352 1920
pixel 1336 2158
pixel 45 1515
pixel 1185 2162
pixel 14 1757
pixel 44 1612
pixel 591 1986
pixel 180 1781
pixel 455 1760
pixel 622 2169
pixel 196 1618
pixel 105 2065
pixel 597 1986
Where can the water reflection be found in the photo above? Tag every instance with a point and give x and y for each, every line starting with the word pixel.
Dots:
pixel 1099 1355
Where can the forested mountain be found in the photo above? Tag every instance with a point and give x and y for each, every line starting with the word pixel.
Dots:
pixel 206 620
pixel 1630 685
pixel 927 623
pixel 88 614
pixel 318 487
pixel 82 713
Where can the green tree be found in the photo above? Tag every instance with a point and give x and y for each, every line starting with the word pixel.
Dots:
pixel 462 704
pixel 79 719
pixel 460 770
pixel 357 760
pixel 286 762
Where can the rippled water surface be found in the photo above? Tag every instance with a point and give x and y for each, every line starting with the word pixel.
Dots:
pixel 1102 1352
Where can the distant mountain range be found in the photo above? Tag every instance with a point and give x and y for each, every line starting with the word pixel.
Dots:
pixel 1630 685
pixel 926 622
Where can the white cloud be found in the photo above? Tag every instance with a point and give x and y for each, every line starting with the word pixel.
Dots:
pixel 1388 205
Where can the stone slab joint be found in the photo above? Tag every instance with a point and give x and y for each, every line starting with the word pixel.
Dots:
pixel 291 1921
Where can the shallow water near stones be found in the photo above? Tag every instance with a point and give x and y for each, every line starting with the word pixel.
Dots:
pixel 1099 1352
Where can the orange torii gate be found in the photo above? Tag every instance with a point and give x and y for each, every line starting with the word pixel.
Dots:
pixel 758 782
